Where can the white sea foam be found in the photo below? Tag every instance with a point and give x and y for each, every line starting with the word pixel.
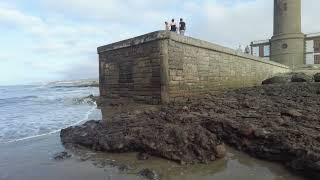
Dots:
pixel 29 111
pixel 86 118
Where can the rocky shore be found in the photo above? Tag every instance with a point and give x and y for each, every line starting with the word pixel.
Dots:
pixel 277 122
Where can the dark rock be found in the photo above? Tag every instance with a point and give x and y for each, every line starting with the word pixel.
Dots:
pixel 84 158
pixel 288 78
pixel 246 129
pixel 291 112
pixel 221 151
pixel 61 156
pixel 262 133
pixel 317 77
pixel 185 108
pixel 316 165
pixel 91 100
pixel 123 167
pixel 280 121
pixel 100 164
pixel 301 77
pixel 143 156
pixel 158 137
pixel 278 80
pixel 149 174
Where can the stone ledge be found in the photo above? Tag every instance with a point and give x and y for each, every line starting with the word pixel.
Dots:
pixel 157 35
pixel 161 35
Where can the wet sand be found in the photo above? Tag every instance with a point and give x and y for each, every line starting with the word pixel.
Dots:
pixel 33 160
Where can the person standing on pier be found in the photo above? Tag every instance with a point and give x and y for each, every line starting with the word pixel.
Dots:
pixel 173 26
pixel 182 27
pixel 167 26
pixel 247 50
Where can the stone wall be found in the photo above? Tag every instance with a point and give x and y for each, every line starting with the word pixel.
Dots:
pixel 163 66
pixel 197 67
pixel 131 71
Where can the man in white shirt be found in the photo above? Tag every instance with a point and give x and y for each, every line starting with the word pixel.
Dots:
pixel 167 26
pixel 173 26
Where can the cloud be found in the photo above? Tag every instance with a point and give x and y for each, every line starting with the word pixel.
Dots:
pixel 228 23
pixel 52 39
pixel 237 24
pixel 12 16
pixel 310 15
pixel 113 10
pixel 86 69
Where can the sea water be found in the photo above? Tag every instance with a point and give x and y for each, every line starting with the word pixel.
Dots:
pixel 37 110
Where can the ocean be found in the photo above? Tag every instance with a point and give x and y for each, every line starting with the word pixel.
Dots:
pixel 37 110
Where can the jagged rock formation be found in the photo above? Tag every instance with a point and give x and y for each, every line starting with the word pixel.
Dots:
pixel 288 78
pixel 174 140
pixel 317 77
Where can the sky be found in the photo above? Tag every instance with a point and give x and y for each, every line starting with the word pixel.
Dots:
pixel 49 40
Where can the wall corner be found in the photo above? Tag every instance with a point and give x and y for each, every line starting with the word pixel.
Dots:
pixel 164 70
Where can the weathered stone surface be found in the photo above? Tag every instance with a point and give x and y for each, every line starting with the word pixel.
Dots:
pixel 317 77
pixel 221 151
pixel 288 131
pixel 288 78
pixel 143 156
pixel 61 156
pixel 149 174
pixel 212 69
pixel 164 137
pixel 131 72
pixel 301 77
pixel 278 80
pixel 246 129
pixel 163 66
pixel 291 112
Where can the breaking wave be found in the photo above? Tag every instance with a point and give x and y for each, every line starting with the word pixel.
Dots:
pixel 32 111
pixel 86 118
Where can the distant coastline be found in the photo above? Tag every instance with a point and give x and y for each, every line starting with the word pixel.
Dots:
pixel 75 83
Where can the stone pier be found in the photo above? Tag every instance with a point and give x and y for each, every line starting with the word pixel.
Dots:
pixel 163 66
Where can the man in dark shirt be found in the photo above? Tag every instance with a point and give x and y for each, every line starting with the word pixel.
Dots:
pixel 182 27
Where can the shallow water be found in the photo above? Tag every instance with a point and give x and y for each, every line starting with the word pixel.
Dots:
pixel 235 166
pixel 32 160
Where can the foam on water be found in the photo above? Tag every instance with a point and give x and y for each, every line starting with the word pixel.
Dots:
pixel 33 111
pixel 58 130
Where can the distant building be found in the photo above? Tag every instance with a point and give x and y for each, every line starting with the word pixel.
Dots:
pixel 288 45
pixel 261 48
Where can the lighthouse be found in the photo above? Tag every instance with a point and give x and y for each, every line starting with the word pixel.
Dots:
pixel 287 43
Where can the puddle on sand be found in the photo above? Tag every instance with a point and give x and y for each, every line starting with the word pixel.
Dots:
pixel 235 166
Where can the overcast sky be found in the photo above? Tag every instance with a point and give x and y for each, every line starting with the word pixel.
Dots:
pixel 47 40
